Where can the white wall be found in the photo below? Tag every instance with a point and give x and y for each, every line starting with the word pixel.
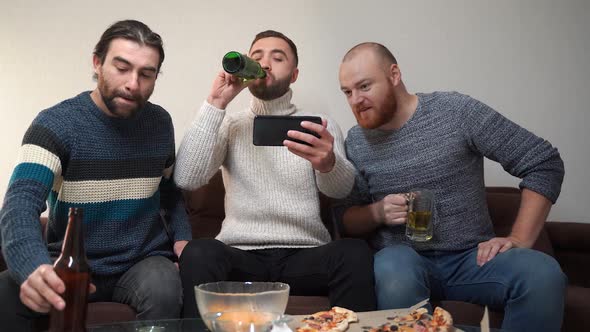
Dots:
pixel 528 59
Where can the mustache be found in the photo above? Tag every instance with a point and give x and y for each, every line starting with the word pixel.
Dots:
pixel 129 96
pixel 269 74
pixel 361 107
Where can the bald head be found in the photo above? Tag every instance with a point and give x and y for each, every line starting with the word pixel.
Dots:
pixel 371 81
pixel 380 52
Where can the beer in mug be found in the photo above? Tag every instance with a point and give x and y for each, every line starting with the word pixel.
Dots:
pixel 420 209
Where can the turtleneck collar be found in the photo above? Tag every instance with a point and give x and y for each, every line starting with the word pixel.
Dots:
pixel 279 106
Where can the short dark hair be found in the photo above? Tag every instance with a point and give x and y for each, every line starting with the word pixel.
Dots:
pixel 276 34
pixel 379 49
pixel 132 30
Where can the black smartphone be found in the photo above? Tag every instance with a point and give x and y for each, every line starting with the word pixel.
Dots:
pixel 271 130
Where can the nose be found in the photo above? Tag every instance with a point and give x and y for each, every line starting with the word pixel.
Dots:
pixel 132 83
pixel 265 63
pixel 355 98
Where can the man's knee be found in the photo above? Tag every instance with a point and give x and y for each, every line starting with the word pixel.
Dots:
pixel 159 290
pixel 200 250
pixel 166 293
pixel 393 259
pixel 401 278
pixel 162 274
pixel 538 271
pixel 399 269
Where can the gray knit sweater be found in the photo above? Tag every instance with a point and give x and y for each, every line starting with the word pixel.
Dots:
pixel 442 148
pixel 271 196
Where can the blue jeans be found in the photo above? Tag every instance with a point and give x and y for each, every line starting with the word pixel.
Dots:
pixel 152 287
pixel 528 284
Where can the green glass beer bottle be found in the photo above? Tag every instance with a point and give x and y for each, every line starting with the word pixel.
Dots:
pixel 72 268
pixel 242 66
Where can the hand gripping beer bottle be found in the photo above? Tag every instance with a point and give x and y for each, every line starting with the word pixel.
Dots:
pixel 72 268
pixel 242 66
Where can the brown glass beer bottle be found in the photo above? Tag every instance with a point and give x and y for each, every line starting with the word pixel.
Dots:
pixel 72 268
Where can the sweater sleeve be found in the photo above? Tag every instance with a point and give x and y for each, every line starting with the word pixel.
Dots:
pixel 171 199
pixel 338 182
pixel 172 202
pixel 520 152
pixel 40 163
pixel 202 149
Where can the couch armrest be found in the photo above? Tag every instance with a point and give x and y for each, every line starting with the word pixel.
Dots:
pixel 572 249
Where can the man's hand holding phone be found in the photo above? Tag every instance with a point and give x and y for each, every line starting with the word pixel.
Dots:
pixel 320 151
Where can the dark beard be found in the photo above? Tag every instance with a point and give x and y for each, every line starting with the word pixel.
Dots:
pixel 109 102
pixel 108 95
pixel 274 91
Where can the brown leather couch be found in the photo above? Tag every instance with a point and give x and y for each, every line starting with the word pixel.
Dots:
pixel 566 241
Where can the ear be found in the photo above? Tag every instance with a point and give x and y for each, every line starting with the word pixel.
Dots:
pixel 96 63
pixel 395 75
pixel 294 75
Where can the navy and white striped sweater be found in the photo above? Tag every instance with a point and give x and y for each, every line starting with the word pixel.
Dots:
pixel 118 170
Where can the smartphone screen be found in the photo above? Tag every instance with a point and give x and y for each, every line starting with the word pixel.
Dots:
pixel 271 130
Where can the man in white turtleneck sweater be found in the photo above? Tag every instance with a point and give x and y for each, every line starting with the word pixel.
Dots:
pixel 272 230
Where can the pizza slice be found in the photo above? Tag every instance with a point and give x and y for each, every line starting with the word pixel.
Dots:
pixel 333 320
pixel 441 320
pixel 410 317
pixel 419 321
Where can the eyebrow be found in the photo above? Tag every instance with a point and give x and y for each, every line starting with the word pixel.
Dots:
pixel 125 61
pixel 276 50
pixel 363 81
pixel 356 84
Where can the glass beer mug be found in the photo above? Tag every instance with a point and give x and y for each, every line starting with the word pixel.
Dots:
pixel 420 211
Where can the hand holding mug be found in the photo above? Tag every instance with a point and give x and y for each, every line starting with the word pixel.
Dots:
pixel 394 210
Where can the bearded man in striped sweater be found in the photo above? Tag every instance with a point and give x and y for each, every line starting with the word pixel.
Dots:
pixel 111 152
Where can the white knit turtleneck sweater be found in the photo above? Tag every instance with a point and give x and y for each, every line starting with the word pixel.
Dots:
pixel 271 196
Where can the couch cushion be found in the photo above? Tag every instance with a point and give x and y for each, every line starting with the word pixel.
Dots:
pixel 503 205
pixel 577 309
pixel 572 249
pixel 205 207
pixel 576 265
